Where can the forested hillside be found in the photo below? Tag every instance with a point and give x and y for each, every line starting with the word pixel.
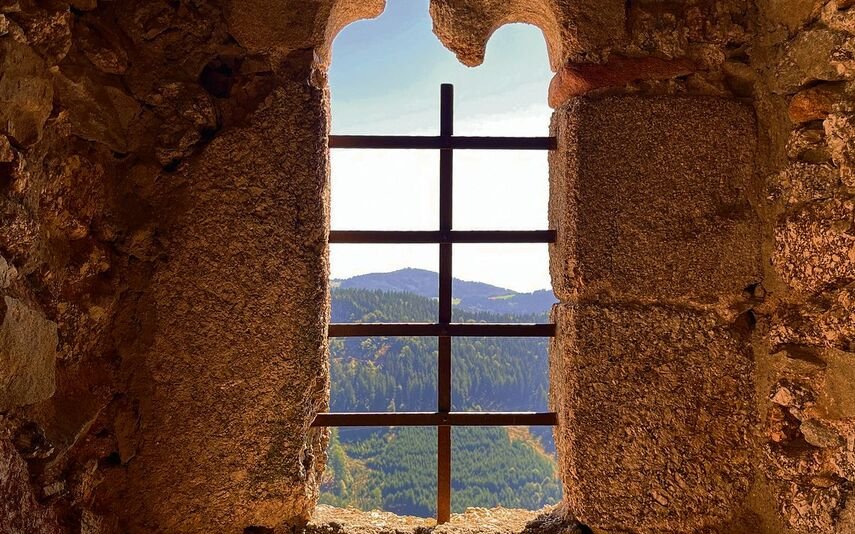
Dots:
pixel 395 469
pixel 471 296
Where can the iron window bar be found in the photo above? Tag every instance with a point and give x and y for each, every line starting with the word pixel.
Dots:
pixel 472 236
pixel 441 142
pixel 441 329
pixel 443 419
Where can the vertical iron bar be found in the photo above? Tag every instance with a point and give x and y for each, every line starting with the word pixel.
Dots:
pixel 446 129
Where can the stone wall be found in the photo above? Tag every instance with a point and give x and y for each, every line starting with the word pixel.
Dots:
pixel 805 56
pixel 163 188
pixel 671 307
pixel 657 256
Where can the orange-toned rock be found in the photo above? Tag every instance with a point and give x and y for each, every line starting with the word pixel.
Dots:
pixel 573 29
pixel 814 250
pixel 27 354
pixel 578 79
pixel 19 511
pixel 7 154
pixel 648 198
pixel 840 137
pixel 25 92
pixel 654 417
pixel 236 368
pixel 814 103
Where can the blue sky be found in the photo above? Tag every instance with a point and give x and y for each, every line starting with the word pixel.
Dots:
pixel 384 79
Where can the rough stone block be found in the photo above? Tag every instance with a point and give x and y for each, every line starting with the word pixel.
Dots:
pixel 27 355
pixel 235 366
pixel 26 94
pixel 582 78
pixel 803 182
pixel 790 13
pixel 840 134
pixel 654 415
pixel 815 246
pixel 817 54
pixel 828 321
pixel 19 511
pixel 649 199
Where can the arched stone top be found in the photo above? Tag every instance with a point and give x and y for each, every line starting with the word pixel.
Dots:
pixel 575 30
pixel 343 13
pixel 285 25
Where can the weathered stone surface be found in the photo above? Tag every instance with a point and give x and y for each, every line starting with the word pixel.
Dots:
pixel 838 15
pixel 19 511
pixel 815 246
pixel 655 411
pixel 807 144
pixel 814 509
pixel 187 115
pixel 809 450
pixel 25 92
pixel 815 103
pixel 649 199
pixel 7 154
pixel 27 355
pixel 102 45
pixel 98 112
pixel 169 42
pixel 8 273
pixel 678 29
pixel 575 30
pixel 740 78
pixel 840 136
pixel 814 55
pixel 803 182
pixel 237 366
pixel 188 188
pixel 48 32
pixel 828 321
pixel 820 434
pixel 292 25
pixel 809 455
pixel 579 79
pixel 792 14
pixel 328 520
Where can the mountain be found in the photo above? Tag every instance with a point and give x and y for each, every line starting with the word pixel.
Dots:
pixel 395 468
pixel 472 296
pixel 490 373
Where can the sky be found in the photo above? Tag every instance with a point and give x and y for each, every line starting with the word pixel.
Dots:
pixel 384 79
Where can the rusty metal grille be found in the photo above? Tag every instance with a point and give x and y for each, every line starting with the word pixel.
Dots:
pixel 444 329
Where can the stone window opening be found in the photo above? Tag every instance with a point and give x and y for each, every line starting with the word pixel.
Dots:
pixel 444 237
pixel 445 330
pixel 164 183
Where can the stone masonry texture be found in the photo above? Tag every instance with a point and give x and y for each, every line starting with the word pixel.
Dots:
pixel 247 247
pixel 649 198
pixel 163 268
pixel 163 219
pixel 651 368
pixel 655 416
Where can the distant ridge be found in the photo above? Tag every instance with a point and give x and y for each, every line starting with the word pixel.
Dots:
pixel 474 296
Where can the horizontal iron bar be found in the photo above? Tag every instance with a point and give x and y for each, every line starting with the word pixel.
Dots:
pixel 435 329
pixel 438 142
pixel 454 236
pixel 437 419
